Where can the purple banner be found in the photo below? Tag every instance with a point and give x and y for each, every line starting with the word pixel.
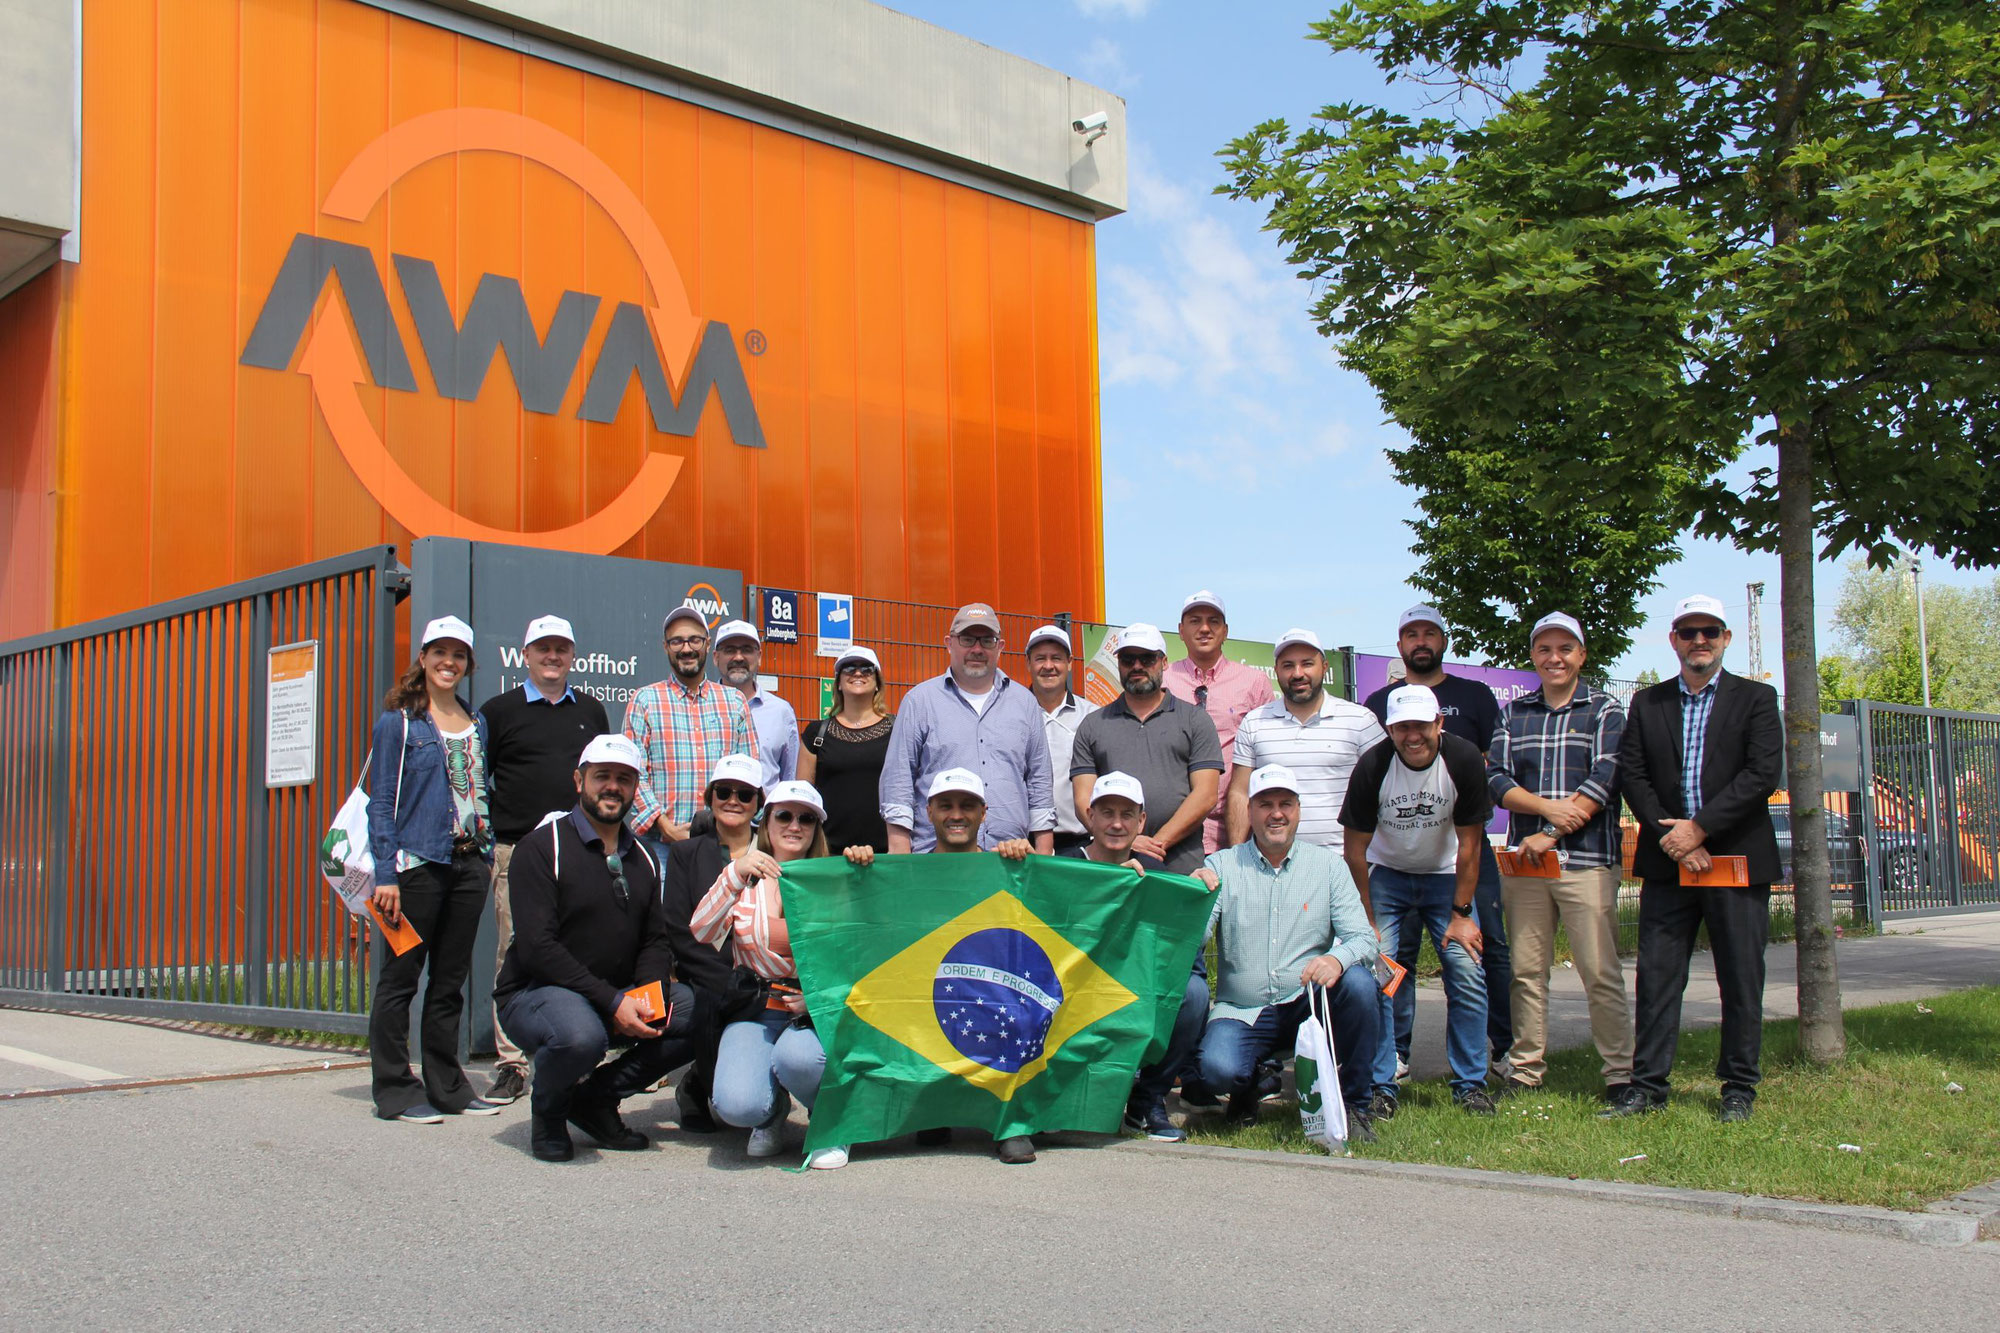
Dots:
pixel 1371 673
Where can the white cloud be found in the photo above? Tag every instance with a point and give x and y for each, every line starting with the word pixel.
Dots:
pixel 1131 9
pixel 1103 63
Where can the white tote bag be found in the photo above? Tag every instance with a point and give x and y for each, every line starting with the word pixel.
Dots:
pixel 344 857
pixel 1315 1069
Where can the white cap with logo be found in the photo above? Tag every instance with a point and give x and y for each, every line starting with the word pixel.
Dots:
pixel 1273 777
pixel 1204 598
pixel 956 779
pixel 1048 634
pixel 1412 703
pixel 1115 783
pixel 548 627
pixel 1701 604
pixel 684 612
pixel 1295 635
pixel 858 654
pixel 613 748
pixel 1556 620
pixel 1142 637
pixel 737 629
pixel 737 768
pixel 447 627
pixel 1420 614
pixel 795 792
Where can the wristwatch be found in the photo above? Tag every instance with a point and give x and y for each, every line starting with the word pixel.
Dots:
pixel 1549 830
pixel 1463 909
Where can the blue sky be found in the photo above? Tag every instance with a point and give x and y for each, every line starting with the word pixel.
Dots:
pixel 1238 455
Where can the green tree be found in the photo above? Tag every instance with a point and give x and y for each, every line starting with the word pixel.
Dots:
pixel 1660 232
pixel 1875 622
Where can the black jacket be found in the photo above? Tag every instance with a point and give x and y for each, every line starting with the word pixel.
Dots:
pixel 692 867
pixel 1742 757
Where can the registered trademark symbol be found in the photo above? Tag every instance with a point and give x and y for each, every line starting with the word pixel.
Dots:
pixel 753 342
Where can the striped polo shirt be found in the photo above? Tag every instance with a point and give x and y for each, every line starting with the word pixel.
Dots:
pixel 1320 751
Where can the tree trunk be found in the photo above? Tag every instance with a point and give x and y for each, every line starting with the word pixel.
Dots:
pixel 1822 1039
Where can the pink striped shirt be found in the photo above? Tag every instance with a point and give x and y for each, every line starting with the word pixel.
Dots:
pixel 756 903
pixel 1230 693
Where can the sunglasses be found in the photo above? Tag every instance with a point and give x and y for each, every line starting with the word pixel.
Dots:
pixel 1693 632
pixel 805 818
pixel 1201 695
pixel 729 791
pixel 615 863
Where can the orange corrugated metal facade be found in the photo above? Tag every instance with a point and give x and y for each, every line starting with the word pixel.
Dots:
pixel 920 355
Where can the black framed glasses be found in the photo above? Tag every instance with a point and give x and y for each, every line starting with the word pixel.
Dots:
pixel 976 640
pixel 1693 632
pixel 729 791
pixel 687 641
pixel 615 863
pixel 803 817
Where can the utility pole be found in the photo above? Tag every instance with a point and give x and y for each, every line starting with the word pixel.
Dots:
pixel 1754 627
pixel 1923 640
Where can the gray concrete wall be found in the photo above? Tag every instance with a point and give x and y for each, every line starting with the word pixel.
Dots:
pixel 862 69
pixel 38 141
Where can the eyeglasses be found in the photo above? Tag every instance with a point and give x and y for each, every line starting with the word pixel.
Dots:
pixel 729 791
pixel 806 818
pixel 857 669
pixel 616 865
pixel 688 641
pixel 1201 695
pixel 1693 632
pixel 976 640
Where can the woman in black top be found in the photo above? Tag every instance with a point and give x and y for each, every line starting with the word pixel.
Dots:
pixel 842 754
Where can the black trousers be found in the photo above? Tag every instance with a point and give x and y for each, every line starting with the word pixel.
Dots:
pixel 1739 925
pixel 444 904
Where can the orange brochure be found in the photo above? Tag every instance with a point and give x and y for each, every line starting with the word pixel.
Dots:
pixel 1396 974
pixel 1513 863
pixel 1726 872
pixel 402 936
pixel 652 998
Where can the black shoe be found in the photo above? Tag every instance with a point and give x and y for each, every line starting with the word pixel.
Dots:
pixel 1360 1126
pixel 1615 1093
pixel 1512 1086
pixel 1474 1101
pixel 508 1086
pixel 1270 1080
pixel 1383 1107
pixel 693 1115
pixel 601 1122
pixel 1633 1101
pixel 1154 1122
pixel 550 1139
pixel 933 1138
pixel 1241 1111
pixel 1735 1108
pixel 1197 1094
pixel 1016 1151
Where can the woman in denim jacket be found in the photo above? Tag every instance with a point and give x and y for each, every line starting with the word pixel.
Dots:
pixel 433 849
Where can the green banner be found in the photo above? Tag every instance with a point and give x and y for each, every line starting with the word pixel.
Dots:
pixel 971 991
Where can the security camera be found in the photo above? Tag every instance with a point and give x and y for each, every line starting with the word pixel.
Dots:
pixel 1093 126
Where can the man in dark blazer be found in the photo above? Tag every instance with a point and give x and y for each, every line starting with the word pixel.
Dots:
pixel 1698 762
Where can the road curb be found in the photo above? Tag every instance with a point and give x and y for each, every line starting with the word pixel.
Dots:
pixel 1932 1228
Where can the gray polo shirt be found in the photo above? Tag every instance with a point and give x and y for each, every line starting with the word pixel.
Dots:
pixel 1164 752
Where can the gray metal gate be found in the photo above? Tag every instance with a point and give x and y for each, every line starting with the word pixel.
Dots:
pixel 144 866
pixel 1930 797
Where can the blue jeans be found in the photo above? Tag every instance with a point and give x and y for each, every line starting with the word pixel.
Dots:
pixel 1394 894
pixel 1498 963
pixel 566 1037
pixel 746 1091
pixel 1156 1081
pixel 800 1062
pixel 1231 1048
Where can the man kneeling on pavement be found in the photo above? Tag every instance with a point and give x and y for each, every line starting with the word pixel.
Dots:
pixel 1287 915
pixel 588 931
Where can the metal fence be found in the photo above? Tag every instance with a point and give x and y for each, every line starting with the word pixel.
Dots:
pixel 1930 795
pixel 144 866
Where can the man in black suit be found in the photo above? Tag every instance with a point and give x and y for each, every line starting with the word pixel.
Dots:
pixel 1698 762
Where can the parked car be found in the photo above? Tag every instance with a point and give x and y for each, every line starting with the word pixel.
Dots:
pixel 1846 850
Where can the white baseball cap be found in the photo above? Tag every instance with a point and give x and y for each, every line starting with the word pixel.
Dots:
pixel 1556 620
pixel 1204 598
pixel 548 627
pixel 1412 703
pixel 796 793
pixel 1701 604
pixel 613 749
pixel 1421 613
pixel 447 627
pixel 1115 783
pixel 1273 777
pixel 737 768
pixel 858 654
pixel 1048 634
pixel 1143 637
pixel 684 612
pixel 1292 636
pixel 956 779
pixel 737 629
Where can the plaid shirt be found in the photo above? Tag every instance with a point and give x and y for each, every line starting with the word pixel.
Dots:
pixel 1557 752
pixel 1695 708
pixel 682 732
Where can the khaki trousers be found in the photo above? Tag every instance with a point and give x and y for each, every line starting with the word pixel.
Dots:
pixel 1586 901
pixel 506 1055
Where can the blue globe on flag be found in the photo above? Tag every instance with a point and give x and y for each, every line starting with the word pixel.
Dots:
pixel 996 994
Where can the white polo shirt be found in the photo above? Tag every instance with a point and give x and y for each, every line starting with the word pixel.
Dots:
pixel 1320 751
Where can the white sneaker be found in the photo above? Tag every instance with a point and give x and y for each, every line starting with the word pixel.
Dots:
pixel 826 1159
pixel 1402 1069
pixel 767 1140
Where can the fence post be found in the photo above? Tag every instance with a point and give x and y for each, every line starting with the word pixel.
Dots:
pixel 256 988
pixel 62 734
pixel 1871 862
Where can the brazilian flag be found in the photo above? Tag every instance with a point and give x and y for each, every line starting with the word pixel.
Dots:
pixel 963 989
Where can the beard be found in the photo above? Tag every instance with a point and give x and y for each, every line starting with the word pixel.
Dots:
pixel 737 676
pixel 610 808
pixel 1423 661
pixel 1303 692
pixel 1141 684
